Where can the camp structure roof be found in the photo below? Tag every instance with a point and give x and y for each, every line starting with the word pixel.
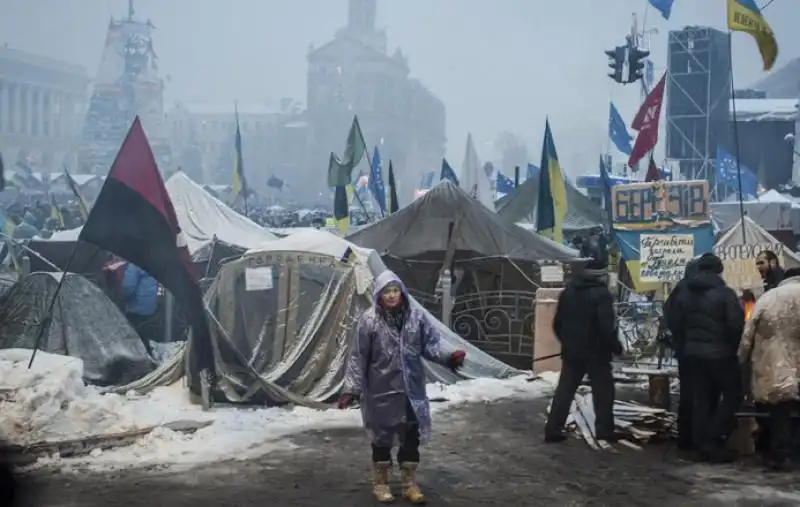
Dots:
pixel 201 217
pixel 85 324
pixel 738 253
pixel 425 225
pixel 288 309
pixel 520 205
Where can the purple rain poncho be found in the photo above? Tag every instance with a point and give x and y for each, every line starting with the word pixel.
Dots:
pixel 385 368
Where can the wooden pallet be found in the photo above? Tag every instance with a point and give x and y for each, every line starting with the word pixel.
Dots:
pixel 27 454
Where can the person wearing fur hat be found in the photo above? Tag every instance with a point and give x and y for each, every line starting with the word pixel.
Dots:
pixel 708 322
pixel 585 324
pixel 385 372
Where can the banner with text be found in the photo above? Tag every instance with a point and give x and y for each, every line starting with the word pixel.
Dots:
pixel 663 257
pixel 651 257
pixel 640 205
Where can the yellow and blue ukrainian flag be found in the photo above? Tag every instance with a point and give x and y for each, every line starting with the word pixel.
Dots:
pixel 551 207
pixel 745 16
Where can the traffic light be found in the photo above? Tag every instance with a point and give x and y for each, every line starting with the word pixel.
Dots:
pixel 616 61
pixel 636 64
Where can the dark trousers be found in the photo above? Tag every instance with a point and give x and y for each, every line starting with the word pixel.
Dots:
pixel 717 396
pixel 409 448
pixel 685 406
pixel 144 326
pixel 602 381
pixel 780 431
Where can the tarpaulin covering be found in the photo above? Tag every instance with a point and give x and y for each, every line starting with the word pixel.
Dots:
pixel 85 324
pixel 288 309
pixel 202 217
pixel 520 206
pixel 424 225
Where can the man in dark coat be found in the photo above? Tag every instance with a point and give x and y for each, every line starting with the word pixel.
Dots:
pixel 672 319
pixel 708 324
pixel 585 324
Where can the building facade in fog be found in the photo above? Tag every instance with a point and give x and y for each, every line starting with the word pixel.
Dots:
pixel 354 74
pixel 127 84
pixel 274 141
pixel 42 103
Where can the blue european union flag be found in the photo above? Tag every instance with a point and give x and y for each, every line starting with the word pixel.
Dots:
pixel 726 174
pixel 618 131
pixel 663 6
pixel 504 183
pixel 448 173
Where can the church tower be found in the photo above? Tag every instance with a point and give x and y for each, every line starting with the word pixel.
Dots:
pixel 361 24
pixel 361 16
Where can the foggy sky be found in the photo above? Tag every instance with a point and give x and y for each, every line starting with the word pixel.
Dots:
pixel 497 64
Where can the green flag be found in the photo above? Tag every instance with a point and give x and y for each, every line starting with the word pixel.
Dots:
pixel 340 170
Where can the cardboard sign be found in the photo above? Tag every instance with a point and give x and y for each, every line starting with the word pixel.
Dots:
pixel 660 200
pixel 663 257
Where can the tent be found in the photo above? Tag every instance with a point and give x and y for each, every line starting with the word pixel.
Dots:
pixel 206 222
pixel 520 206
pixel 288 308
pixel 429 223
pixel 771 210
pixel 203 217
pixel 738 254
pixel 85 324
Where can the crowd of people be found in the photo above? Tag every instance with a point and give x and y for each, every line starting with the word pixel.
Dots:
pixel 732 351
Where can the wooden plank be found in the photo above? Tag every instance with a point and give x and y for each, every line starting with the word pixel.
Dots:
pixel 26 454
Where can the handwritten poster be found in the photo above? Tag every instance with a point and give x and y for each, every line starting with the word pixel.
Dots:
pixel 663 257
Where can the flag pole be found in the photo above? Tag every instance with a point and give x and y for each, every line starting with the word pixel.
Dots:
pixel 49 315
pixel 736 138
pixel 369 162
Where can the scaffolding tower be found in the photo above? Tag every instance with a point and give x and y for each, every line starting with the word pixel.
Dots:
pixel 698 98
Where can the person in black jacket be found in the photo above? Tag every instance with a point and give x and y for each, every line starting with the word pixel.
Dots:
pixel 708 323
pixel 672 319
pixel 585 324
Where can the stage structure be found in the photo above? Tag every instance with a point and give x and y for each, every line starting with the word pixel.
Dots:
pixel 698 98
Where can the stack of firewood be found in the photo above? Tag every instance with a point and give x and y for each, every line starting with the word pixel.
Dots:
pixel 638 423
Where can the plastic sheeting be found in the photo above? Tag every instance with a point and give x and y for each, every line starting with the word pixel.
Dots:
pixel 85 324
pixel 202 216
pixel 292 327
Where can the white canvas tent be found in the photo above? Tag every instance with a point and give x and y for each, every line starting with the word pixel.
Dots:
pixel 202 217
pixel 738 254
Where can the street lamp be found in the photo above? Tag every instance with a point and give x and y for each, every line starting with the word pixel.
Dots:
pixel 789 138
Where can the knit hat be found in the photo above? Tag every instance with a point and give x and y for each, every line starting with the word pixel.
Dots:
pixel 710 263
pixel 595 268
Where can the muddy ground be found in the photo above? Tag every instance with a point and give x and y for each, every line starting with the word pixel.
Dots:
pixel 481 454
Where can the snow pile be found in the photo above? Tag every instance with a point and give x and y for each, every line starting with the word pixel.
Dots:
pixel 51 402
pixel 238 433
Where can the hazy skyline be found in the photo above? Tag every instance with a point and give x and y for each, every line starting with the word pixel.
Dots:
pixel 498 65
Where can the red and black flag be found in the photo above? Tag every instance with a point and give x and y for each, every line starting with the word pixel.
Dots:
pixel 133 217
pixel 653 174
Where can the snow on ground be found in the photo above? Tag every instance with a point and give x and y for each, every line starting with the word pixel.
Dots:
pixel 51 402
